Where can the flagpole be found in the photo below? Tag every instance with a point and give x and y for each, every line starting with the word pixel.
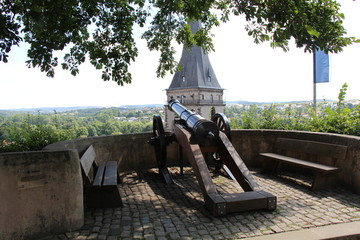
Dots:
pixel 314 81
pixel 314 97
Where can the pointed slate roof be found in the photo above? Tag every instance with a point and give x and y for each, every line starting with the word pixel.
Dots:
pixel 196 71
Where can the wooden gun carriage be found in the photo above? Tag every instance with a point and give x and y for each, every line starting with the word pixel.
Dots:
pixel 199 137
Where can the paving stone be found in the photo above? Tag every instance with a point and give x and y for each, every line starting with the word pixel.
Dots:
pixel 117 231
pixel 125 234
pixel 102 237
pixel 80 237
pixel 174 236
pixel 111 238
pixel 225 231
pixel 170 230
pixel 149 237
pixel 138 235
pixel 96 229
pixel 160 233
pixel 72 234
pixel 92 236
pixel 186 238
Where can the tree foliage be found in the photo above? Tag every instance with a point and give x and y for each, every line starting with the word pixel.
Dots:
pixel 337 118
pixel 21 131
pixel 103 31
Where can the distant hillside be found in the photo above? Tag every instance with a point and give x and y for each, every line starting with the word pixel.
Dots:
pixel 127 107
pixel 67 109
pixel 278 102
pixel 142 106
pixel 50 109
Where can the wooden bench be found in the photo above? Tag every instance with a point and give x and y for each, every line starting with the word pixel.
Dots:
pixel 100 181
pixel 320 158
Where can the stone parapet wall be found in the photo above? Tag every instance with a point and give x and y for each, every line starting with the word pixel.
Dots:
pixel 249 143
pixel 41 194
pixel 132 151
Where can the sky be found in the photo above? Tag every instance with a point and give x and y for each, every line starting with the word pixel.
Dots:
pixel 248 71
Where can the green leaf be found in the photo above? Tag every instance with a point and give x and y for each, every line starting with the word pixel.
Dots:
pixel 49 26
pixel 312 31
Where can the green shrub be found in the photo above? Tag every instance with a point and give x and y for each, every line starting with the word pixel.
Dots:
pixel 341 119
pixel 26 136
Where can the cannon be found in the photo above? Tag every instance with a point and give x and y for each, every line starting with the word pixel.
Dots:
pixel 198 138
pixel 204 132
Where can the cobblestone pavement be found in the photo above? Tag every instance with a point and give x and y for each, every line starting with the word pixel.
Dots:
pixel 153 210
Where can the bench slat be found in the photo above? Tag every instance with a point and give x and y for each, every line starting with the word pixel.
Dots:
pixel 110 177
pixel 99 175
pixel 299 162
pixel 87 159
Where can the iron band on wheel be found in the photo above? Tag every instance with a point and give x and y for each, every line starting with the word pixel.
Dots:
pixel 223 124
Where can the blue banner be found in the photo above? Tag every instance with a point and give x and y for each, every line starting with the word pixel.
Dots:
pixel 321 67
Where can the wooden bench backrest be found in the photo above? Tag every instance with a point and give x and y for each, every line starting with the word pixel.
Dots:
pixel 312 147
pixel 87 161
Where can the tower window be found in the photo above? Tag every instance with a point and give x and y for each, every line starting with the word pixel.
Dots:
pixel 209 78
pixel 182 99
pixel 183 78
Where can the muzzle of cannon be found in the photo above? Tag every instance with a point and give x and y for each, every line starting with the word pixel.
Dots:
pixel 200 139
pixel 204 132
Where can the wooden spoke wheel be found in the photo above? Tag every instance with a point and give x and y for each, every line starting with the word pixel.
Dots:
pixel 158 127
pixel 160 142
pixel 223 124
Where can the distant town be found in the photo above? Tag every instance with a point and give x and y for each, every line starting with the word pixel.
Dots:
pixel 151 107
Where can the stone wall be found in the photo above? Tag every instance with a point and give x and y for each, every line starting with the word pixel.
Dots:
pixel 41 194
pixel 132 151
pixel 249 143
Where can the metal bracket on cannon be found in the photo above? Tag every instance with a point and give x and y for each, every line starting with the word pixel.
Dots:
pixel 199 137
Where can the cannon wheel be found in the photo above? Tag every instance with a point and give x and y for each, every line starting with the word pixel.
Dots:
pixel 160 143
pixel 223 124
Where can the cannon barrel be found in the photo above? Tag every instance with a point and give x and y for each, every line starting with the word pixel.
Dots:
pixel 205 132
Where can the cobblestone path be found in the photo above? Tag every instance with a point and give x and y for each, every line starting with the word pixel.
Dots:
pixel 153 210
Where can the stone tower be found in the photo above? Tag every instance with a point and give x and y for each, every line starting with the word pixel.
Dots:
pixel 195 85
